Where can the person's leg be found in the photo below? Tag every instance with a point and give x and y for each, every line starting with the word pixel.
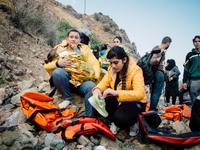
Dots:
pixel 85 89
pixel 194 89
pixel 195 116
pixel 61 81
pixel 157 90
pixel 167 92
pixel 111 106
pixel 173 100
pixel 167 98
pixel 127 113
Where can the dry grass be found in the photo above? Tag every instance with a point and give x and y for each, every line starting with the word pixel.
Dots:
pixel 7 5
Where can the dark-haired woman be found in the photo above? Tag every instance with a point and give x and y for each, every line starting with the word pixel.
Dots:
pixel 123 90
pixel 171 79
pixel 61 78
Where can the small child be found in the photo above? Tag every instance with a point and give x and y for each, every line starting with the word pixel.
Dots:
pixel 80 71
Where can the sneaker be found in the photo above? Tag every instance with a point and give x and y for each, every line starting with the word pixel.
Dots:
pixel 166 104
pixel 64 104
pixel 98 104
pixel 113 128
pixel 134 129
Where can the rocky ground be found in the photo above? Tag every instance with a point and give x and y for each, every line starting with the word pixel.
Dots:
pixel 21 69
pixel 16 132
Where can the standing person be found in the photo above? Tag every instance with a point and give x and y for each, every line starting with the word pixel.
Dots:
pixel 157 61
pixel 123 90
pixel 171 77
pixel 61 78
pixel 191 74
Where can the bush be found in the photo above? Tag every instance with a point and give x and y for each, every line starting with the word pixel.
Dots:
pixel 106 28
pixel 3 80
pixel 63 28
pixel 94 41
pixel 30 22
pixel 6 5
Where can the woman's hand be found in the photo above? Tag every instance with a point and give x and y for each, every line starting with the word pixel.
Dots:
pixel 109 92
pixel 97 91
pixel 184 86
pixel 65 62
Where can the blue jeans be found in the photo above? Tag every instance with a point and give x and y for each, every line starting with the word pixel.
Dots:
pixel 156 90
pixel 61 81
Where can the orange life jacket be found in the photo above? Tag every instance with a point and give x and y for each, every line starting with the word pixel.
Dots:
pixel 70 128
pixel 38 108
pixel 176 112
pixel 50 117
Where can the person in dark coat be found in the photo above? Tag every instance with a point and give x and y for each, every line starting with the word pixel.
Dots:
pixel 171 79
pixel 96 51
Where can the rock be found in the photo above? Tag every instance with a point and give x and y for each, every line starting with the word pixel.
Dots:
pixel 54 142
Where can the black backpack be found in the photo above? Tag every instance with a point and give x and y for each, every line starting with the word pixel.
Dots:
pixel 144 64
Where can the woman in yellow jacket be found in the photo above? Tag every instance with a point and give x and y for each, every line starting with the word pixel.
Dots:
pixel 61 78
pixel 122 89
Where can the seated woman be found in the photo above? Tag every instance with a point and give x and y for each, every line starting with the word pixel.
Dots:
pixel 61 78
pixel 121 92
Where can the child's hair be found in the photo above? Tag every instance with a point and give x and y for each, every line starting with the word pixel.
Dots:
pixel 119 38
pixel 51 55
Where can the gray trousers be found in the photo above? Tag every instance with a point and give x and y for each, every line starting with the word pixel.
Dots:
pixel 194 89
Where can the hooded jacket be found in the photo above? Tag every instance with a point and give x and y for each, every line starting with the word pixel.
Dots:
pixel 135 91
pixel 192 66
pixel 89 57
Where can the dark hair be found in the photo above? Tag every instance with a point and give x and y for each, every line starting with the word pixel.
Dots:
pixel 171 64
pixel 196 37
pixel 84 38
pixel 50 56
pixel 104 46
pixel 96 47
pixel 73 30
pixel 119 38
pixel 119 53
pixel 96 54
pixel 166 39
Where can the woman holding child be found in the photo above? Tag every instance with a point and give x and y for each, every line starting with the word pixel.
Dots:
pixel 61 76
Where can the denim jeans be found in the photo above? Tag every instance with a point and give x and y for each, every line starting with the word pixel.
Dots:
pixel 61 81
pixel 156 90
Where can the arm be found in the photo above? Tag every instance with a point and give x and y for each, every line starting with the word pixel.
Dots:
pixel 185 72
pixel 156 57
pixel 91 60
pixel 105 82
pixel 49 67
pixel 176 74
pixel 137 91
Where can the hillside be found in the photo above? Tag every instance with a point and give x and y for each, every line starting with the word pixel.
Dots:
pixel 28 31
pixel 23 50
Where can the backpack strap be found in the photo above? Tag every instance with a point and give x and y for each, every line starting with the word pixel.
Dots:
pixel 51 94
pixel 44 111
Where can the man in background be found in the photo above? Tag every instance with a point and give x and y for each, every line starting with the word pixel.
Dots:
pixel 191 74
pixel 157 61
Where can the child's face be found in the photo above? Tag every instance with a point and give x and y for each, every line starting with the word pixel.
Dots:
pixel 73 39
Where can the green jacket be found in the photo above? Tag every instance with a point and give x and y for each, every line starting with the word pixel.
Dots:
pixel 192 66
